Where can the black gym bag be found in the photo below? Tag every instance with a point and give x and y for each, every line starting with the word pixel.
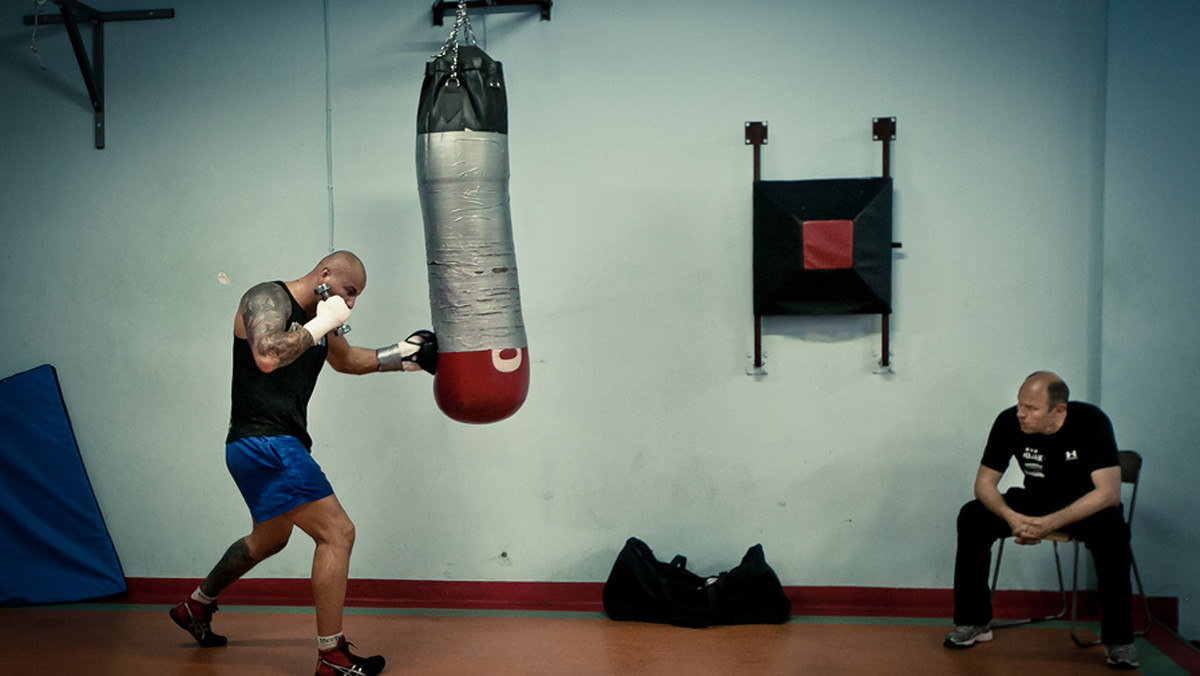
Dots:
pixel 642 588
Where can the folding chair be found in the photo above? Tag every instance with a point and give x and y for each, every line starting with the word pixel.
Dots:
pixel 1131 470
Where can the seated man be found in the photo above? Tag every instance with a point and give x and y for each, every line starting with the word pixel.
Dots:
pixel 1068 455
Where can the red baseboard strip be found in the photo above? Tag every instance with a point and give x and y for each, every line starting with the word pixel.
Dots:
pixel 553 596
pixel 1176 649
pixel 587 597
pixel 870 602
pixel 557 596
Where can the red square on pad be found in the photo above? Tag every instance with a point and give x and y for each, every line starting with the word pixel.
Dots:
pixel 828 245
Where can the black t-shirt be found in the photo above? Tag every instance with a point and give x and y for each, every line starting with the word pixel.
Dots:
pixel 275 403
pixel 1058 467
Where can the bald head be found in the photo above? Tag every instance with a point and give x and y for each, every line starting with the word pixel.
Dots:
pixel 343 262
pixel 341 270
pixel 1055 388
pixel 1042 403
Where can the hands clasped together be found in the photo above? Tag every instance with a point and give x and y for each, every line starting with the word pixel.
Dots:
pixel 1030 530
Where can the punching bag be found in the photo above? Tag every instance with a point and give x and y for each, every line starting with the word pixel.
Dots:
pixel 462 176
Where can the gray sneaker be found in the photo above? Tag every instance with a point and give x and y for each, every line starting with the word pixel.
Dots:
pixel 1122 656
pixel 965 636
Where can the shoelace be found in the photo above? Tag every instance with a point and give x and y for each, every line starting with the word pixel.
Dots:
pixel 352 670
pixel 204 625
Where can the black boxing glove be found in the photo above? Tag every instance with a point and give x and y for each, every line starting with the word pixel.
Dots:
pixel 417 352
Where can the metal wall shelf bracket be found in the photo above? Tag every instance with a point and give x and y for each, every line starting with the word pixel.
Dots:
pixel 71 14
pixel 444 7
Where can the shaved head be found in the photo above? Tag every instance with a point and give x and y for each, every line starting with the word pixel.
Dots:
pixel 1042 403
pixel 344 262
pixel 342 271
pixel 1056 389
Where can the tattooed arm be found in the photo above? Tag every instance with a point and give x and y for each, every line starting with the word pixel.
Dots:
pixel 262 318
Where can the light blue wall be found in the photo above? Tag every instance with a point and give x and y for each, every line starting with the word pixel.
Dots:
pixel 631 210
pixel 1151 377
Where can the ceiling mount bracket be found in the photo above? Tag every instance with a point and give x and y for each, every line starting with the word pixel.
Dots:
pixel 444 7
pixel 71 14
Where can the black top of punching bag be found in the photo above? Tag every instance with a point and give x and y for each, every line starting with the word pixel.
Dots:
pixel 473 101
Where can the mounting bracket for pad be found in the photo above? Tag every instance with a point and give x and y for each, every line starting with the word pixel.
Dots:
pixel 884 129
pixel 444 7
pixel 756 135
pixel 71 13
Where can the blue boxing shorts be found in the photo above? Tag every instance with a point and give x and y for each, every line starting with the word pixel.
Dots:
pixel 275 475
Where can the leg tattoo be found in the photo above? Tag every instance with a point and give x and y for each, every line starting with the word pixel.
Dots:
pixel 235 563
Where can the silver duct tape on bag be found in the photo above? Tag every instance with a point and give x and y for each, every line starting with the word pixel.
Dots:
pixel 462 178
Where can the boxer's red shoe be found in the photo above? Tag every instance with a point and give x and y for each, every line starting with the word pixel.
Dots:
pixel 195 617
pixel 341 662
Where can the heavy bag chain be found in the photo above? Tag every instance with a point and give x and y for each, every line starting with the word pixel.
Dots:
pixel 461 20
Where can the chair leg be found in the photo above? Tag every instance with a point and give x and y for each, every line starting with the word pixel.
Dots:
pixel 1178 637
pixel 1150 620
pixel 1075 603
pixel 1062 591
pixel 1145 602
pixel 996 570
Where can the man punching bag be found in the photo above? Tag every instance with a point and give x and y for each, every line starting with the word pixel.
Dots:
pixel 462 175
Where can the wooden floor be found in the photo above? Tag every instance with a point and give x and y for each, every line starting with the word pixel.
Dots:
pixel 134 640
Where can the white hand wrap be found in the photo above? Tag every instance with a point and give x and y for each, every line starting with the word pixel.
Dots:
pixel 331 314
pixel 418 352
pixel 394 357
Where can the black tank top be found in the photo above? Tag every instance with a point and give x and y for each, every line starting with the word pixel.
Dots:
pixel 275 403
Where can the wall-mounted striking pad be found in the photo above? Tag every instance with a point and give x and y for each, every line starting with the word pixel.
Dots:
pixel 823 247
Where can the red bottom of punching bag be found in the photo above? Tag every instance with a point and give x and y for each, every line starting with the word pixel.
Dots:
pixel 483 386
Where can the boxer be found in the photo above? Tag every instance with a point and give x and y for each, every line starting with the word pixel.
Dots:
pixel 283 335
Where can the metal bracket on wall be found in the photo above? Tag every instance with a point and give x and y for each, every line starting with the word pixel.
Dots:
pixel 884 129
pixel 444 7
pixel 756 135
pixel 71 14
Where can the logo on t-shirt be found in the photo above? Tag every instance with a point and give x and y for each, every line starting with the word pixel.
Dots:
pixel 1032 464
pixel 1072 455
